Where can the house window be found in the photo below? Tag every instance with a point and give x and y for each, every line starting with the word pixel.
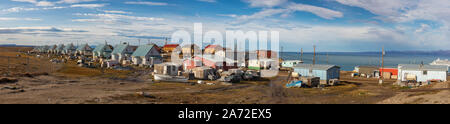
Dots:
pixel 425 72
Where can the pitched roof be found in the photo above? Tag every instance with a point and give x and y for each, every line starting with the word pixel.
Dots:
pixel 171 45
pixel 211 46
pixel 120 48
pixel 417 67
pixel 143 50
pixel 101 48
pixel 315 67
pixel 84 47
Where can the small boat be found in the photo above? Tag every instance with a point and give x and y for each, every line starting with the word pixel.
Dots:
pixel 160 77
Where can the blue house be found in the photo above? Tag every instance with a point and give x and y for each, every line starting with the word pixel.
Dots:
pixel 324 72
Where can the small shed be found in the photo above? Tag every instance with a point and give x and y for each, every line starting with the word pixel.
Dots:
pixel 203 73
pixel 290 63
pixel 167 69
pixel 146 55
pixel 367 70
pixel 422 73
pixel 324 72
pixel 389 73
pixel 262 64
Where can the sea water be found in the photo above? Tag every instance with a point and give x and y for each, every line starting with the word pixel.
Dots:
pixel 348 60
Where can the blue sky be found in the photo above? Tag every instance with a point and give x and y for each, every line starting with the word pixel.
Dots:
pixel 331 25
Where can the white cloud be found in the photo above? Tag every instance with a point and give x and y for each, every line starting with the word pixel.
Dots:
pixel 286 10
pixel 319 11
pixel 88 5
pixel 19 19
pixel 74 1
pixel 113 18
pixel 148 3
pixel 44 3
pixel 22 9
pixel 117 12
pixel 266 3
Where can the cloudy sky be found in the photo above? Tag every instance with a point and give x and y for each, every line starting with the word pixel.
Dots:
pixel 332 25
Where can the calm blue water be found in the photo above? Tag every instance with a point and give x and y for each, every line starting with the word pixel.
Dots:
pixel 347 61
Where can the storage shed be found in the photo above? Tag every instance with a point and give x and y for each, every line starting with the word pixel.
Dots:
pixel 203 73
pixel 389 73
pixel 422 73
pixel 167 69
pixel 371 71
pixel 324 72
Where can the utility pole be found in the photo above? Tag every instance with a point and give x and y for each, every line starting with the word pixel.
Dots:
pixel 327 57
pixel 382 65
pixel 314 57
pixel 139 41
pixel 281 53
pixel 301 56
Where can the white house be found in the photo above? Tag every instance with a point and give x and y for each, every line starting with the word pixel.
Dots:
pixel 146 55
pixel 122 52
pixel 422 73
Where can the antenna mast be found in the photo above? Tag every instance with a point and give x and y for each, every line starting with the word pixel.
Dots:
pixel 314 58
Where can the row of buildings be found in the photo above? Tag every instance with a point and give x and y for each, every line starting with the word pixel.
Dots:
pixel 214 56
pixel 406 72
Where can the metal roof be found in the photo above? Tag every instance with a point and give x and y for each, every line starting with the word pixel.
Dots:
pixel 315 67
pixel 84 47
pixel 417 67
pixel 119 48
pixel 101 48
pixel 143 50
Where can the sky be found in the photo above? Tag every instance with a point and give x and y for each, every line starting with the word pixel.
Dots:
pixel 331 25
